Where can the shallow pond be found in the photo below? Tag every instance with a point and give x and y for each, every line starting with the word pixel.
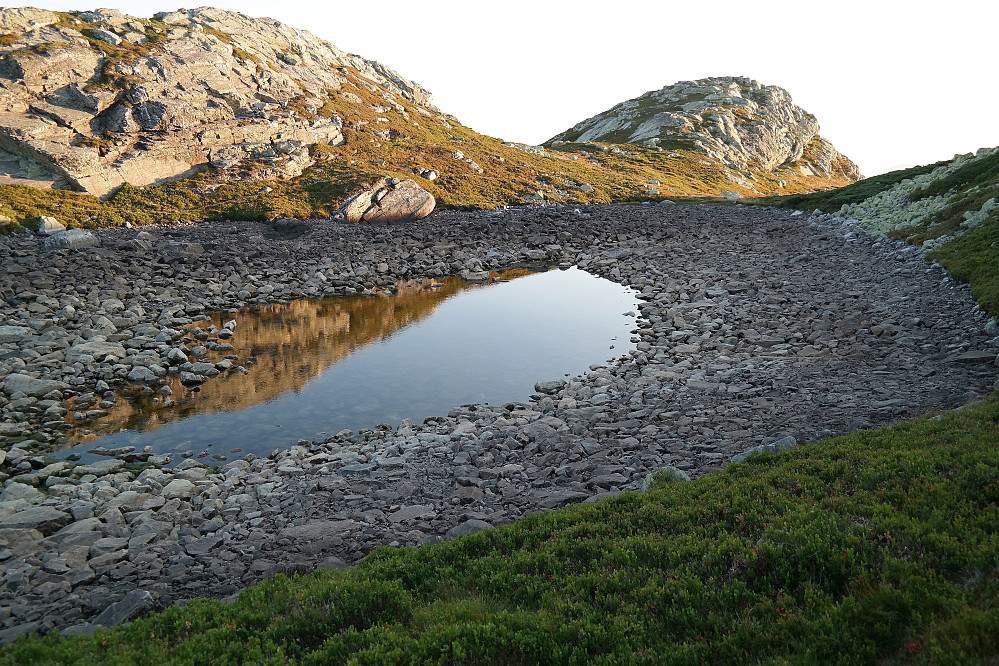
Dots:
pixel 317 367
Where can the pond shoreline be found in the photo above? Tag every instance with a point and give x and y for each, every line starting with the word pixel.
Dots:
pixel 756 326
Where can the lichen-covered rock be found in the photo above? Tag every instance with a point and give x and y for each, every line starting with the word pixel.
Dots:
pixel 735 120
pixel 894 209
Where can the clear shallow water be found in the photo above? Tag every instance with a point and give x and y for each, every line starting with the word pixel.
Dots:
pixel 321 366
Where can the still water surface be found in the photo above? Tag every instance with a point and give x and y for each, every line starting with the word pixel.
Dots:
pixel 320 366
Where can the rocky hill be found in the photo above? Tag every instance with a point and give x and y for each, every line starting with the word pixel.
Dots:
pixel 212 114
pixel 735 120
pixel 95 99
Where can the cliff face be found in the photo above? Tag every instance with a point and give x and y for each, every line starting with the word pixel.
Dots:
pixel 91 100
pixel 735 120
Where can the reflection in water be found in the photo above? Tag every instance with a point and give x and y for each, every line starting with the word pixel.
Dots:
pixel 319 366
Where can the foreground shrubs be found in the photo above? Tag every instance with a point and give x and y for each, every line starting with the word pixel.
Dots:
pixel 881 546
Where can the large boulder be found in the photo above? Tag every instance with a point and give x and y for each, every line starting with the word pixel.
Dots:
pixel 356 206
pixel 406 201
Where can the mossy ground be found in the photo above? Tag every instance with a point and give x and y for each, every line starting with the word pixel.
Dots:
pixel 876 547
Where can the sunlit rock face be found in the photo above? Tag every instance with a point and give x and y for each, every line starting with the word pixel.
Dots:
pixel 736 120
pixel 91 100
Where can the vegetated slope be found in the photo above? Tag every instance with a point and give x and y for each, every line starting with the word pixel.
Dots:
pixel 875 547
pixel 206 113
pixel 758 133
pixel 950 209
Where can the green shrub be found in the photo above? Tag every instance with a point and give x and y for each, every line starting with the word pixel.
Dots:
pixel 876 547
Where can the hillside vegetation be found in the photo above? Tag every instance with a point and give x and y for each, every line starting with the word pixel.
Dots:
pixel 950 208
pixel 876 547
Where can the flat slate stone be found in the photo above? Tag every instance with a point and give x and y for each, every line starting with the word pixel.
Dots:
pixel 560 498
pixel 16 382
pixel 45 519
pixel 134 604
pixel 973 357
pixel 100 468
pixel 470 526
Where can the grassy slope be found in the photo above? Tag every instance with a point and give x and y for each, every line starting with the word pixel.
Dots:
pixel 878 546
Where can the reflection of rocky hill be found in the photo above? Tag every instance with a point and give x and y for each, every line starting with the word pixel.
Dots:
pixel 285 346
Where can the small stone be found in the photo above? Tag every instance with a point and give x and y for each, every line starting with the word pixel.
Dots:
pixel 470 526
pixel 48 226
pixel 180 489
pixel 135 603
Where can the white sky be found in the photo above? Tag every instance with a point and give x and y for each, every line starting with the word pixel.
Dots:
pixel 893 83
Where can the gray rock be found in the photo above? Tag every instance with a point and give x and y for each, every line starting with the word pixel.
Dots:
pixel 135 604
pixel 976 357
pixel 191 379
pixel 553 386
pixel 202 547
pixel 21 491
pixel 317 529
pixel 177 356
pixel 107 545
pixel 71 239
pixel 13 333
pixel 45 519
pixel 557 499
pixel 16 382
pixel 140 374
pixel 470 526
pixel 179 488
pixel 411 512
pixel 100 468
pixel 100 350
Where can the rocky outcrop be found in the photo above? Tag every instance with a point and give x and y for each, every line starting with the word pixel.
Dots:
pixel 736 120
pixel 92 100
